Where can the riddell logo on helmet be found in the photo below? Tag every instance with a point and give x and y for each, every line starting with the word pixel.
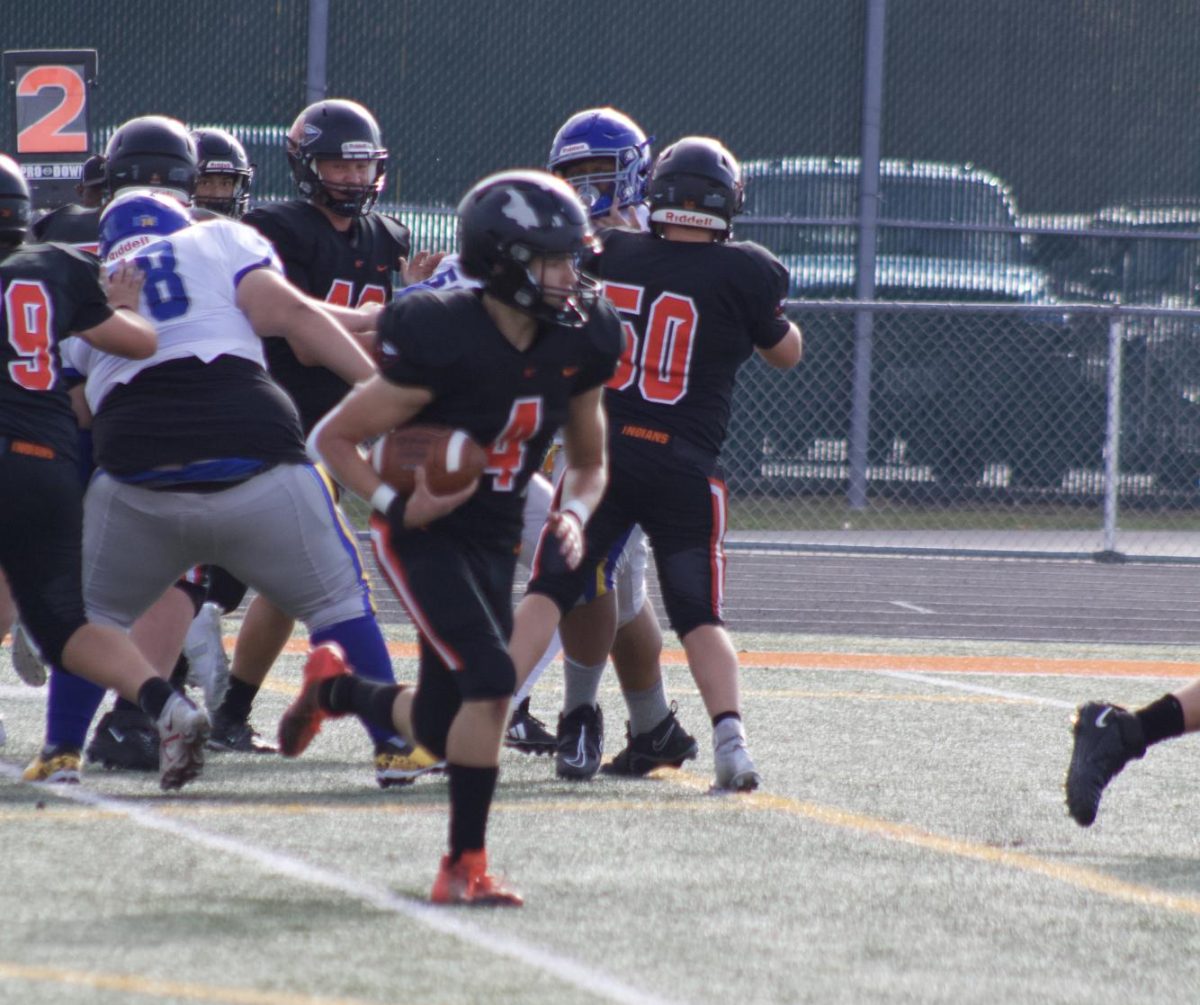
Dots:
pixel 684 218
pixel 357 148
pixel 574 148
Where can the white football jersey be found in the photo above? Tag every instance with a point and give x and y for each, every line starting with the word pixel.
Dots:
pixel 190 295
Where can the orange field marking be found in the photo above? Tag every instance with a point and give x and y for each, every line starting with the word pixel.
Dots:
pixel 875 662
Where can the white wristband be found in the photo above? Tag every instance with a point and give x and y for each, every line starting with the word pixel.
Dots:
pixel 578 509
pixel 382 498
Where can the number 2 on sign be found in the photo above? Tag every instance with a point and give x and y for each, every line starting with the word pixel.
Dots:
pixel 506 455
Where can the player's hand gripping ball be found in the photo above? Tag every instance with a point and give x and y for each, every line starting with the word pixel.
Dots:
pixel 451 459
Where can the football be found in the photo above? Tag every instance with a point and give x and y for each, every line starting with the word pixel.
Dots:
pixel 452 460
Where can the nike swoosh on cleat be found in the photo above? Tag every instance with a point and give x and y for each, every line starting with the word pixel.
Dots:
pixel 659 745
pixel 1100 719
pixel 580 753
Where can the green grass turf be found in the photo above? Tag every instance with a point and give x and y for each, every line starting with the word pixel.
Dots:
pixel 910 846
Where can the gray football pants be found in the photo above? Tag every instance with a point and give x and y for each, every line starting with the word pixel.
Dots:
pixel 280 532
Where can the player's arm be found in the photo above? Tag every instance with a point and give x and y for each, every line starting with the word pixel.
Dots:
pixel 367 411
pixel 125 332
pixel 785 353
pixel 585 438
pixel 274 307
pixel 358 321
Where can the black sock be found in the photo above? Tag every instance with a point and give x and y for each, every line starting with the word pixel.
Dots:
pixel 123 705
pixel 369 700
pixel 720 717
pixel 239 697
pixel 471 791
pixel 1162 719
pixel 153 696
pixel 179 674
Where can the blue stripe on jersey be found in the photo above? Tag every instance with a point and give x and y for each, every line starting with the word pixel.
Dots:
pixel 242 273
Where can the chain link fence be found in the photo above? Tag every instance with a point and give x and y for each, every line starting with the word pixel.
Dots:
pixel 1034 157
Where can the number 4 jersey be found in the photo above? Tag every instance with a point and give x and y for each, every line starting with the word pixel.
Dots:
pixel 46 292
pixel 692 314
pixel 511 402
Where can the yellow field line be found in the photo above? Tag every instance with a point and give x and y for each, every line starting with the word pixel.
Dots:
pixel 1085 879
pixel 916 663
pixel 133 984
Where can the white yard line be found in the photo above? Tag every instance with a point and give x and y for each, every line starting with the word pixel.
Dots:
pixel 942 680
pixel 443 920
pixel 911 607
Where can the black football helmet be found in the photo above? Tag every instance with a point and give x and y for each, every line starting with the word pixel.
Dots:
pixel 506 221
pixel 696 182
pixel 336 130
pixel 152 151
pixel 221 153
pixel 15 204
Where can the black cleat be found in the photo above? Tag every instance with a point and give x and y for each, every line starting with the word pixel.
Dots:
pixel 667 745
pixel 527 733
pixel 1106 738
pixel 125 738
pixel 237 735
pixel 580 743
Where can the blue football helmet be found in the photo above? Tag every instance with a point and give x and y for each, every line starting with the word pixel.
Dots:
pixel 15 204
pixel 137 217
pixel 607 133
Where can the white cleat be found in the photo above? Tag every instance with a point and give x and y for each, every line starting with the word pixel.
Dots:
pixel 183 730
pixel 27 661
pixel 208 666
pixel 735 769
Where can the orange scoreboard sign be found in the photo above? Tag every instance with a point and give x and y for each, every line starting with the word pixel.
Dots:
pixel 51 90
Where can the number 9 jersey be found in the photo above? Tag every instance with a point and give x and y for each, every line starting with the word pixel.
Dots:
pixel 46 292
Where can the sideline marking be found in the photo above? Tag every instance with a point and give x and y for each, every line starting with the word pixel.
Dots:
pixel 1071 875
pixel 441 920
pixel 133 984
pixel 920 663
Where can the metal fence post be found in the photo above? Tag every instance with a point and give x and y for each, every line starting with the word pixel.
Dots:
pixel 1112 438
pixel 868 210
pixel 318 48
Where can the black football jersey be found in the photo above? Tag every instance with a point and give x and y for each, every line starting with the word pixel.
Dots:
pixel 48 291
pixel 71 224
pixel 347 269
pixel 511 402
pixel 693 313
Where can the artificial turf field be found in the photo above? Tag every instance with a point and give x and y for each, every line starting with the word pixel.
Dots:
pixel 909 845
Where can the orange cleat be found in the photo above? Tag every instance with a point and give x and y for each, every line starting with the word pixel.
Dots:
pixel 302 720
pixel 467 881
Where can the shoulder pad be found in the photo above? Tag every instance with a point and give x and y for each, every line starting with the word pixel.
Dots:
pixel 397 231
pixel 604 329
pixel 421 327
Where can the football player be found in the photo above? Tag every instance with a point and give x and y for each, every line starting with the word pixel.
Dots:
pixel 223 184
pixel 77 223
pixel 606 157
pixel 695 305
pixel 335 248
pixel 510 364
pixel 50 291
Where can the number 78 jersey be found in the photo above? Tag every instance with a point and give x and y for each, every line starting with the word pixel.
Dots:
pixel 692 314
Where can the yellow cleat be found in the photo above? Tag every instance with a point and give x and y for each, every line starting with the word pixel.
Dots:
pixel 55 764
pixel 402 764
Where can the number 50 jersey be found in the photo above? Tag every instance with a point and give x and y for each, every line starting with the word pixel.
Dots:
pixel 692 314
